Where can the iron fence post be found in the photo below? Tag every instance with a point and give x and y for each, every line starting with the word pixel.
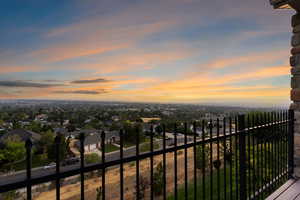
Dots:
pixel 57 162
pixel 242 157
pixel 291 144
pixel 28 146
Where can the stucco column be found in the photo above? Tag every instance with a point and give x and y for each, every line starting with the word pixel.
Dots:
pixel 295 85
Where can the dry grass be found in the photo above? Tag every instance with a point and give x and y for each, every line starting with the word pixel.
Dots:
pixel 72 192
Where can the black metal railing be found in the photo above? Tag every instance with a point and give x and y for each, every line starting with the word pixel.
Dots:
pixel 245 157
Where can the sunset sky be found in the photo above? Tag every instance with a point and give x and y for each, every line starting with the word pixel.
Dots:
pixel 191 51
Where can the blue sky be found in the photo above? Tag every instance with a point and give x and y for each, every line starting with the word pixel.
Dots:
pixel 186 51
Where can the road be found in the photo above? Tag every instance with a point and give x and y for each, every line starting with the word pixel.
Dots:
pixel 41 171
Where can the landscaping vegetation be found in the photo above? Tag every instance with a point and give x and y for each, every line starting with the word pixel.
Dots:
pixel 110 148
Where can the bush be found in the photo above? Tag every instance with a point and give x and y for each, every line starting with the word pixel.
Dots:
pixel 92 158
pixel 99 193
pixel 158 182
pixel 144 184
pixel 11 195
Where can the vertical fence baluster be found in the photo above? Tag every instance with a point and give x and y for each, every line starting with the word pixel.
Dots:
pixel 185 162
pixel 164 164
pixel 287 129
pixel 211 159
pixel 273 166
pixel 260 156
pixel 82 138
pixel 218 160
pixel 103 161
pixel 28 146
pixel 137 149
pixel 151 163
pixel 204 161
pixel 280 140
pixel 276 153
pixel 230 157
pixel 195 160
pixel 57 162
pixel 248 156
pixel 175 163
pixel 291 144
pixel 121 165
pixel 242 157
pixel 284 143
pixel 265 179
pixel 254 175
pixel 224 157
pixel 236 160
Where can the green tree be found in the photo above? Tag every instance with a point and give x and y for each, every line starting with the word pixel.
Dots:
pixel 131 131
pixel 35 127
pixel 14 150
pixel 46 140
pixel 51 149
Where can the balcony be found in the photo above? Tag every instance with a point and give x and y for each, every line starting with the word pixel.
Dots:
pixel 245 157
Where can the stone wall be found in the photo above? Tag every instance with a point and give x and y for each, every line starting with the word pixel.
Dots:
pixel 295 85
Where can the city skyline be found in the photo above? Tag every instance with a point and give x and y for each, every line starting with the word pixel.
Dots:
pixel 148 51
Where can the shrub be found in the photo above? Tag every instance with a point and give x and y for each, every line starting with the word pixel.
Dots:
pixel 92 158
pixel 144 184
pixel 202 156
pixel 99 193
pixel 158 182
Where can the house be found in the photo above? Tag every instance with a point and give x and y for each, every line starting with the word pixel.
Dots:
pixel 115 118
pixel 91 143
pixel 22 134
pixel 112 137
pixel 41 117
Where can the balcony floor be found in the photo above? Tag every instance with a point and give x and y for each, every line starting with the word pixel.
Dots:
pixel 289 191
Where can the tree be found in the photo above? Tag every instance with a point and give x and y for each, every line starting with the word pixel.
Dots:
pixel 35 127
pixel 46 141
pixel 131 131
pixel 51 149
pixel 14 150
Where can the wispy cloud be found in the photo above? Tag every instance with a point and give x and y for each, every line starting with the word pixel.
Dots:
pixel 88 81
pixel 27 84
pixel 87 92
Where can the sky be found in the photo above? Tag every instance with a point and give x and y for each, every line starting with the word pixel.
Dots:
pixel 229 52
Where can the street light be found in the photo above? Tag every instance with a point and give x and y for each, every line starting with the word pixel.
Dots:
pixel 285 4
